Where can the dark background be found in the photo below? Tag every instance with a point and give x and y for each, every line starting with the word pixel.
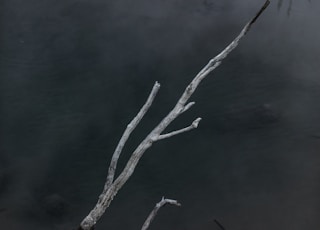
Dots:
pixel 73 73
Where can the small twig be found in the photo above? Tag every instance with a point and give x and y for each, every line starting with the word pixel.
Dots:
pixel 266 4
pixel 219 224
pixel 194 125
pixel 188 106
pixel 156 209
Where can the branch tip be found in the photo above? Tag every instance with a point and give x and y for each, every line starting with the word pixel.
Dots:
pixel 155 210
pixel 187 107
pixel 265 5
pixel 195 123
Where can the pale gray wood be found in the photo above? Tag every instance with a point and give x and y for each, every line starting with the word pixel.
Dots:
pixel 112 186
pixel 155 210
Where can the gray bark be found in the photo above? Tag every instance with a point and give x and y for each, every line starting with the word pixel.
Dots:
pixel 112 186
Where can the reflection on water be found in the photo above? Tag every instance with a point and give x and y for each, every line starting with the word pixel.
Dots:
pixel 74 73
pixel 290 4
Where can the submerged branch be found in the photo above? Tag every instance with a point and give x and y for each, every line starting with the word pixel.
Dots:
pixel 154 212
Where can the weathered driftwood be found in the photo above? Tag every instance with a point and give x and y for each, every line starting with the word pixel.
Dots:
pixel 112 186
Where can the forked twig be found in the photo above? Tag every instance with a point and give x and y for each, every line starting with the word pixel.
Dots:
pixel 130 127
pixel 155 210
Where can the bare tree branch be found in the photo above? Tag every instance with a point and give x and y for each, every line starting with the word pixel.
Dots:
pixel 194 125
pixel 154 212
pixel 130 127
pixel 112 187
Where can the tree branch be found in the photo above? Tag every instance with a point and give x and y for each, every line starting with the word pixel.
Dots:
pixel 113 186
pixel 130 127
pixel 154 212
pixel 194 125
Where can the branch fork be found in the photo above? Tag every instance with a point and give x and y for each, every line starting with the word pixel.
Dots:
pixel 194 125
pixel 112 185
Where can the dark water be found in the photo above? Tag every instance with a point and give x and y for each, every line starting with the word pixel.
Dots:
pixel 73 74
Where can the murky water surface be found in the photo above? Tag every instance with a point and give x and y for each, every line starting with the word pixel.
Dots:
pixel 73 74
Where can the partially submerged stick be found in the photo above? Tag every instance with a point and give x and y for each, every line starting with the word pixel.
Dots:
pixel 112 186
pixel 155 210
pixel 219 224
